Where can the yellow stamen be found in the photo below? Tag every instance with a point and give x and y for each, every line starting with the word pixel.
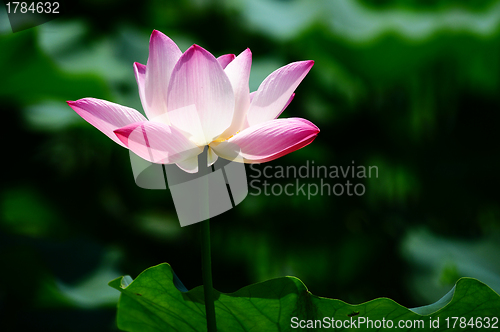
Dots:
pixel 220 140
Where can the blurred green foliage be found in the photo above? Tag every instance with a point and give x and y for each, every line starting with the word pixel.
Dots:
pixel 408 86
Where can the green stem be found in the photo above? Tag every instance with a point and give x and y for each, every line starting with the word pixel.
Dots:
pixel 206 263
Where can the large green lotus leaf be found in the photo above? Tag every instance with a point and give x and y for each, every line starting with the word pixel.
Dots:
pixel 157 301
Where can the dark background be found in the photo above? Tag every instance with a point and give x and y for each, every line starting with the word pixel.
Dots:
pixel 408 86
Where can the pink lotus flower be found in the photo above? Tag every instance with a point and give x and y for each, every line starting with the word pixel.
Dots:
pixel 193 99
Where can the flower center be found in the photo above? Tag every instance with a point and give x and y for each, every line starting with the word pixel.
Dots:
pixel 220 140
